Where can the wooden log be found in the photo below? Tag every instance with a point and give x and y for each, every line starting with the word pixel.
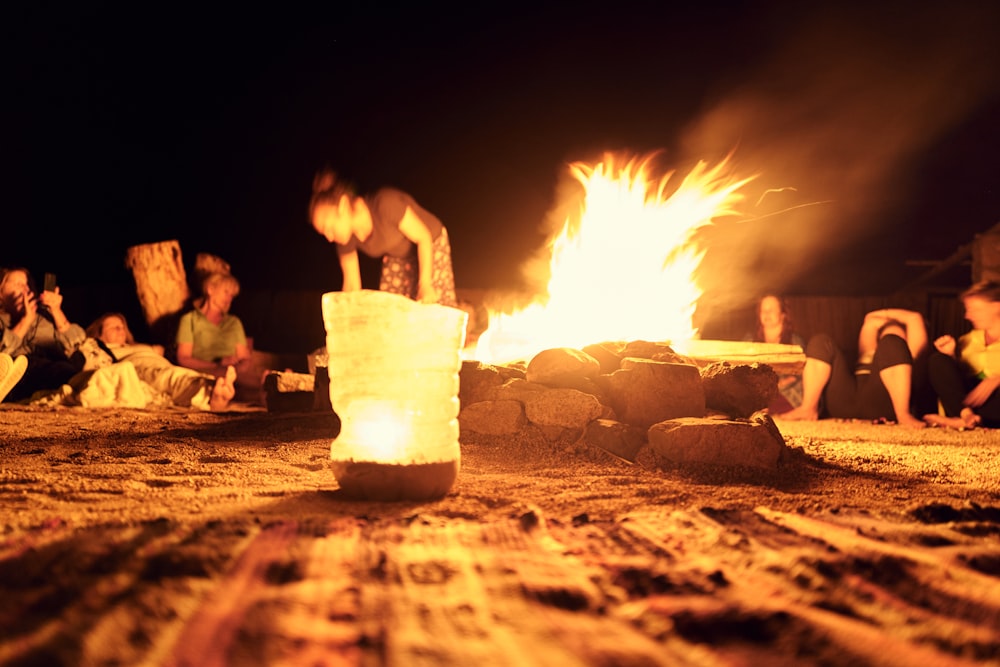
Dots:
pixel 161 285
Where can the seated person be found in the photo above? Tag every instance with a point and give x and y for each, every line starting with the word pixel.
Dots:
pixel 210 339
pixel 879 387
pixel 36 327
pixel 965 373
pixel 774 325
pixel 184 386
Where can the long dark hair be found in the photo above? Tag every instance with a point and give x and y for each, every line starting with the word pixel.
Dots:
pixel 787 325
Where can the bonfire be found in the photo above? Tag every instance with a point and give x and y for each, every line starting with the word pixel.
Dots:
pixel 624 265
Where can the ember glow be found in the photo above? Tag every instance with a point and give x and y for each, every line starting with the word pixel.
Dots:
pixel 623 268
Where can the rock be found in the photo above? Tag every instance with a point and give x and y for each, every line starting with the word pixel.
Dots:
pixel 567 408
pixel 492 417
pixel 644 349
pixel 608 356
pixel 517 389
pixel 740 390
pixel 644 392
pixel 718 442
pixel 620 439
pixel 477 382
pixel 561 367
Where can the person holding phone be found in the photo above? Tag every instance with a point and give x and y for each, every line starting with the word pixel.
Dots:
pixel 34 325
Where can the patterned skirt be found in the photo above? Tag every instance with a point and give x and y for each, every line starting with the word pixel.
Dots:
pixel 400 275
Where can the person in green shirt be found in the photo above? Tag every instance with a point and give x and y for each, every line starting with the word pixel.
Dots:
pixel 210 339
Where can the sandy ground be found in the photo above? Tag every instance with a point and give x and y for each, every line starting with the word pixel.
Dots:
pixel 177 537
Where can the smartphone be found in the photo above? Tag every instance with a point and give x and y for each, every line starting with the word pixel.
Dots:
pixel 50 282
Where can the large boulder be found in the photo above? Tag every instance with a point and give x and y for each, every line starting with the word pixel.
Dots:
pixel 567 408
pixel 644 392
pixel 738 390
pixel 561 367
pixel 754 443
pixel 493 417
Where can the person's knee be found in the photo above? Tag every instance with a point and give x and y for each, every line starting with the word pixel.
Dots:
pixel 892 350
pixel 822 347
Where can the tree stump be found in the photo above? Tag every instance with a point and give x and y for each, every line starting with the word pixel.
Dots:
pixel 161 285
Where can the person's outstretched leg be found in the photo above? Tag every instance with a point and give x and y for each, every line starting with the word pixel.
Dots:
pixel 820 354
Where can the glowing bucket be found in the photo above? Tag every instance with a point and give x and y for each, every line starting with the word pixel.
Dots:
pixel 393 366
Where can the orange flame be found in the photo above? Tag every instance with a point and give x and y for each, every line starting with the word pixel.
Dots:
pixel 626 270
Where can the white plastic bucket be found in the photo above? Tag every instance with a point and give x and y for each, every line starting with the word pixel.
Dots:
pixel 393 365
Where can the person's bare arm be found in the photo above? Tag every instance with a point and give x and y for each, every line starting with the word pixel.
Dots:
pixel 53 301
pixel 351 269
pixel 868 335
pixel 242 354
pixel 413 228
pixel 29 307
pixel 188 360
pixel 946 344
pixel 916 330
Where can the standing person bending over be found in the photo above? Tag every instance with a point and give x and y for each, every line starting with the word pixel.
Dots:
pixel 36 327
pixel 879 386
pixel 412 242
pixel 965 374
pixel 210 339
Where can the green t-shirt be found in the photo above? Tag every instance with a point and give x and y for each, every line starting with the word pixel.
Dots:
pixel 211 342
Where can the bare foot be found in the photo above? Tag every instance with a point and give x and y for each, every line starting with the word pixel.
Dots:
pixel 223 391
pixel 967 420
pixel 799 414
pixel 909 421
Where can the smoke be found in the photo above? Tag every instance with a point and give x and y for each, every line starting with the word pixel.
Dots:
pixel 836 120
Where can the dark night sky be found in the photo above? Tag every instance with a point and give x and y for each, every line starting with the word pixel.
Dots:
pixel 125 126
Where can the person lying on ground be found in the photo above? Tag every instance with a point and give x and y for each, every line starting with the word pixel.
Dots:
pixel 965 373
pixel 185 387
pixel 879 387
pixel 35 326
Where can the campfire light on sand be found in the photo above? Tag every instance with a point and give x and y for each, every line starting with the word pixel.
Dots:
pixel 624 267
